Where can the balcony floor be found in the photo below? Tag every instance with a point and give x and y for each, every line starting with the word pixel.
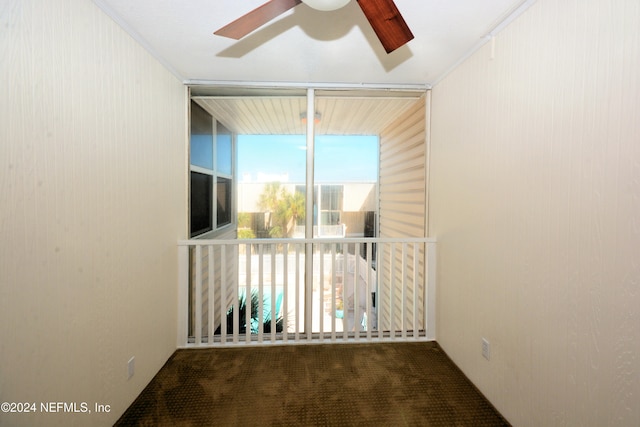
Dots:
pixel 305 385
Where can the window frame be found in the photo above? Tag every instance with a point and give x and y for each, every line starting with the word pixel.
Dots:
pixel 331 193
pixel 217 177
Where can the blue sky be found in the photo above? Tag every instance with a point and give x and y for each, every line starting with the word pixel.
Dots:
pixel 338 158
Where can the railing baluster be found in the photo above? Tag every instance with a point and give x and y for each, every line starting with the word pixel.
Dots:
pixel 247 292
pixel 333 292
pixel 392 293
pixel 224 309
pixel 430 291
pixel 357 316
pixel 198 297
pixel 212 300
pixel 234 290
pixel 273 293
pixel 260 294
pixel 184 284
pixel 297 288
pixel 308 291
pixel 416 294
pixel 285 292
pixel 345 292
pixel 380 248
pixel 321 291
pixel 405 310
pixel 369 291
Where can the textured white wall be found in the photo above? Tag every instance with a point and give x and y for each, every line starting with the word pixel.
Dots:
pixel 92 203
pixel 535 202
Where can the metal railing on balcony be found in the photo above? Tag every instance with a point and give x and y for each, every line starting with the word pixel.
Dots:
pixel 259 292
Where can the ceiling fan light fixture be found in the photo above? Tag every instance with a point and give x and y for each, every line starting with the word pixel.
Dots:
pixel 326 5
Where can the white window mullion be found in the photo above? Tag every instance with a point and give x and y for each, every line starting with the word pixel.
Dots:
pixel 214 199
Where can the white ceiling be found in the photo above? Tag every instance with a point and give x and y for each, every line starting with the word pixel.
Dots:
pixel 305 45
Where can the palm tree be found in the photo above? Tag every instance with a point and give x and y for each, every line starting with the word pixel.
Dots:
pixel 296 207
pixel 242 317
pixel 286 209
pixel 268 200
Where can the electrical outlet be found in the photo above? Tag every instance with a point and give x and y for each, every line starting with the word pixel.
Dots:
pixel 131 367
pixel 486 349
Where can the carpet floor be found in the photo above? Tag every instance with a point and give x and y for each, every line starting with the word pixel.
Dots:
pixel 395 384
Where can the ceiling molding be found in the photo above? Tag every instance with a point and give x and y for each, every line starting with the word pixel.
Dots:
pixel 307 85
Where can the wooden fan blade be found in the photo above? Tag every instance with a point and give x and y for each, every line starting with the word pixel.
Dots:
pixel 256 18
pixel 386 21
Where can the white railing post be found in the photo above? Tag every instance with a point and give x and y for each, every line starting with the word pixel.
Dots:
pixel 247 297
pixel 223 309
pixel 297 295
pixel 260 294
pixel 321 291
pixel 380 293
pixel 183 295
pixel 272 309
pixel 357 317
pixel 404 311
pixel 197 301
pixel 285 291
pixel 392 291
pixel 417 289
pixel 369 291
pixel 333 292
pixel 212 295
pixel 430 297
pixel 308 309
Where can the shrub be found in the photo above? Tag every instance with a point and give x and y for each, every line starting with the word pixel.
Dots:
pixel 246 233
pixel 242 317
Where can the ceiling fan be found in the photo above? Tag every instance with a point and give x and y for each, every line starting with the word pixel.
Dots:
pixel 383 15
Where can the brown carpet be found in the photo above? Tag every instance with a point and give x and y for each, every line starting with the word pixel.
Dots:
pixel 395 384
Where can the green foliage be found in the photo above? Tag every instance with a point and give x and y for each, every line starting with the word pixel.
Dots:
pixel 272 193
pixel 286 209
pixel 246 233
pixel 244 220
pixel 242 317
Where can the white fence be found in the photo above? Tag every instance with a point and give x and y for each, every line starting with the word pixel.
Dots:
pixel 291 291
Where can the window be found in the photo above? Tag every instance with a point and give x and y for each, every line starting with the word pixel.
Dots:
pixel 223 188
pixel 330 204
pixel 201 202
pixel 211 173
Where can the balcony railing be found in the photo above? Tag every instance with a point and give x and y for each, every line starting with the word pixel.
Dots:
pixel 323 231
pixel 288 291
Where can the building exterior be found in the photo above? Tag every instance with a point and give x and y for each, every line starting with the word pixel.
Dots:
pixel 350 206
